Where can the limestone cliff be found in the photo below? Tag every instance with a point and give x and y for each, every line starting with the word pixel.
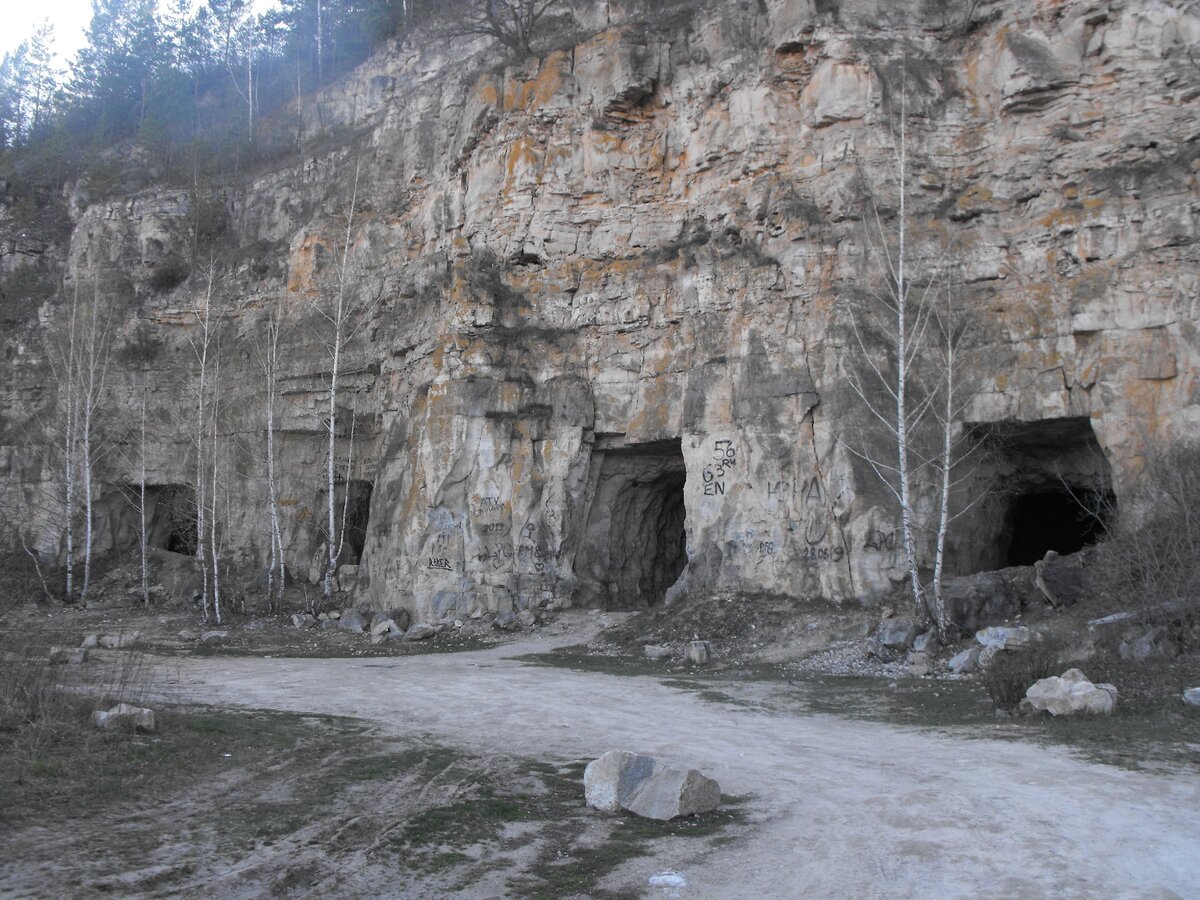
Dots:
pixel 612 294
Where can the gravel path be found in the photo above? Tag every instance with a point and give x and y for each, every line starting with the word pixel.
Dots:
pixel 840 807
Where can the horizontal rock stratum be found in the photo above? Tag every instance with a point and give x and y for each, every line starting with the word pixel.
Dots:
pixel 614 299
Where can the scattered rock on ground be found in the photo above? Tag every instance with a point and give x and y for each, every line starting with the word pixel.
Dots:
pixel 420 631
pixel 918 663
pixel 964 663
pixel 527 618
pixel 353 621
pixel 58 656
pixel 1060 579
pixel 1192 696
pixel 927 643
pixel 656 651
pixel 1147 642
pixel 122 641
pixel 1068 694
pixel 897 633
pixel 667 879
pixel 1005 637
pixel 91 642
pixel 699 652
pixel 125 714
pixel 384 630
pixel 506 620
pixel 304 620
pixel 77 657
pixel 647 787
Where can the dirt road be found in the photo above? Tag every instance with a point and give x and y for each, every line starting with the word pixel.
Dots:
pixel 840 808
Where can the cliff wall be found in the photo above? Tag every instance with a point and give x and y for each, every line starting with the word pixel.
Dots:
pixel 613 297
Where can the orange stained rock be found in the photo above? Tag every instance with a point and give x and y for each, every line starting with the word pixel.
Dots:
pixel 302 265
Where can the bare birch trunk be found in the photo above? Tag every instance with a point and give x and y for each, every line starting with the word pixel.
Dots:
pixel 97 369
pixel 338 323
pixel 203 316
pixel 902 378
pixel 142 502
pixel 214 546
pixel 271 365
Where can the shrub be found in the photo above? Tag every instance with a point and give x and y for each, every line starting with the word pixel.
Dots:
pixel 1150 559
pixel 1012 672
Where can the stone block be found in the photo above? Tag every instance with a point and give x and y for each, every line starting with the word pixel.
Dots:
pixel 353 621
pixel 897 633
pixel 125 715
pixel 646 787
pixel 699 652
pixel 420 631
pixel 122 641
pixel 964 663
pixel 1071 693
pixel 1005 637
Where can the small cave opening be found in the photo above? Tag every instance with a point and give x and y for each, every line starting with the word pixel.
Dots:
pixel 1046 520
pixel 635 545
pixel 358 515
pixel 170 518
pixel 352 515
pixel 1046 485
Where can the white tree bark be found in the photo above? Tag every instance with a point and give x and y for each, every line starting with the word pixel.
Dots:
pixel 203 313
pixel 936 402
pixel 270 359
pixel 96 355
pixel 339 322
pixel 142 501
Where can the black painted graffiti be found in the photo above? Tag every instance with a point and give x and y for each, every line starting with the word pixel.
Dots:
pixel 532 555
pixel 440 562
pixel 484 505
pixel 879 540
pixel 713 475
pixel 810 555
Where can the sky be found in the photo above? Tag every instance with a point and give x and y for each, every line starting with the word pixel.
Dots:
pixel 18 19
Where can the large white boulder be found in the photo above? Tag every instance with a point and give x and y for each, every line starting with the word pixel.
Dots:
pixel 1071 693
pixel 647 787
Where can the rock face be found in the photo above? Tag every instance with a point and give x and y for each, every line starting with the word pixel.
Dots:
pixel 611 297
pixel 1070 693
pixel 646 787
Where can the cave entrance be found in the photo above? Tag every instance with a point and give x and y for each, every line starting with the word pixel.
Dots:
pixel 358 514
pixel 1050 520
pixel 170 518
pixel 634 546
pixel 1049 488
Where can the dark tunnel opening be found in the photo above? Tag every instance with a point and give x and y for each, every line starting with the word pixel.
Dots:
pixel 635 545
pixel 1046 520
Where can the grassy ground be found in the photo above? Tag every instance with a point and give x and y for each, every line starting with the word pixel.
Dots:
pixel 275 803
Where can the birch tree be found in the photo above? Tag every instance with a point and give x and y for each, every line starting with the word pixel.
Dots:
pixel 268 358
pixel 917 396
pixel 95 351
pixel 343 308
pixel 64 364
pixel 202 344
